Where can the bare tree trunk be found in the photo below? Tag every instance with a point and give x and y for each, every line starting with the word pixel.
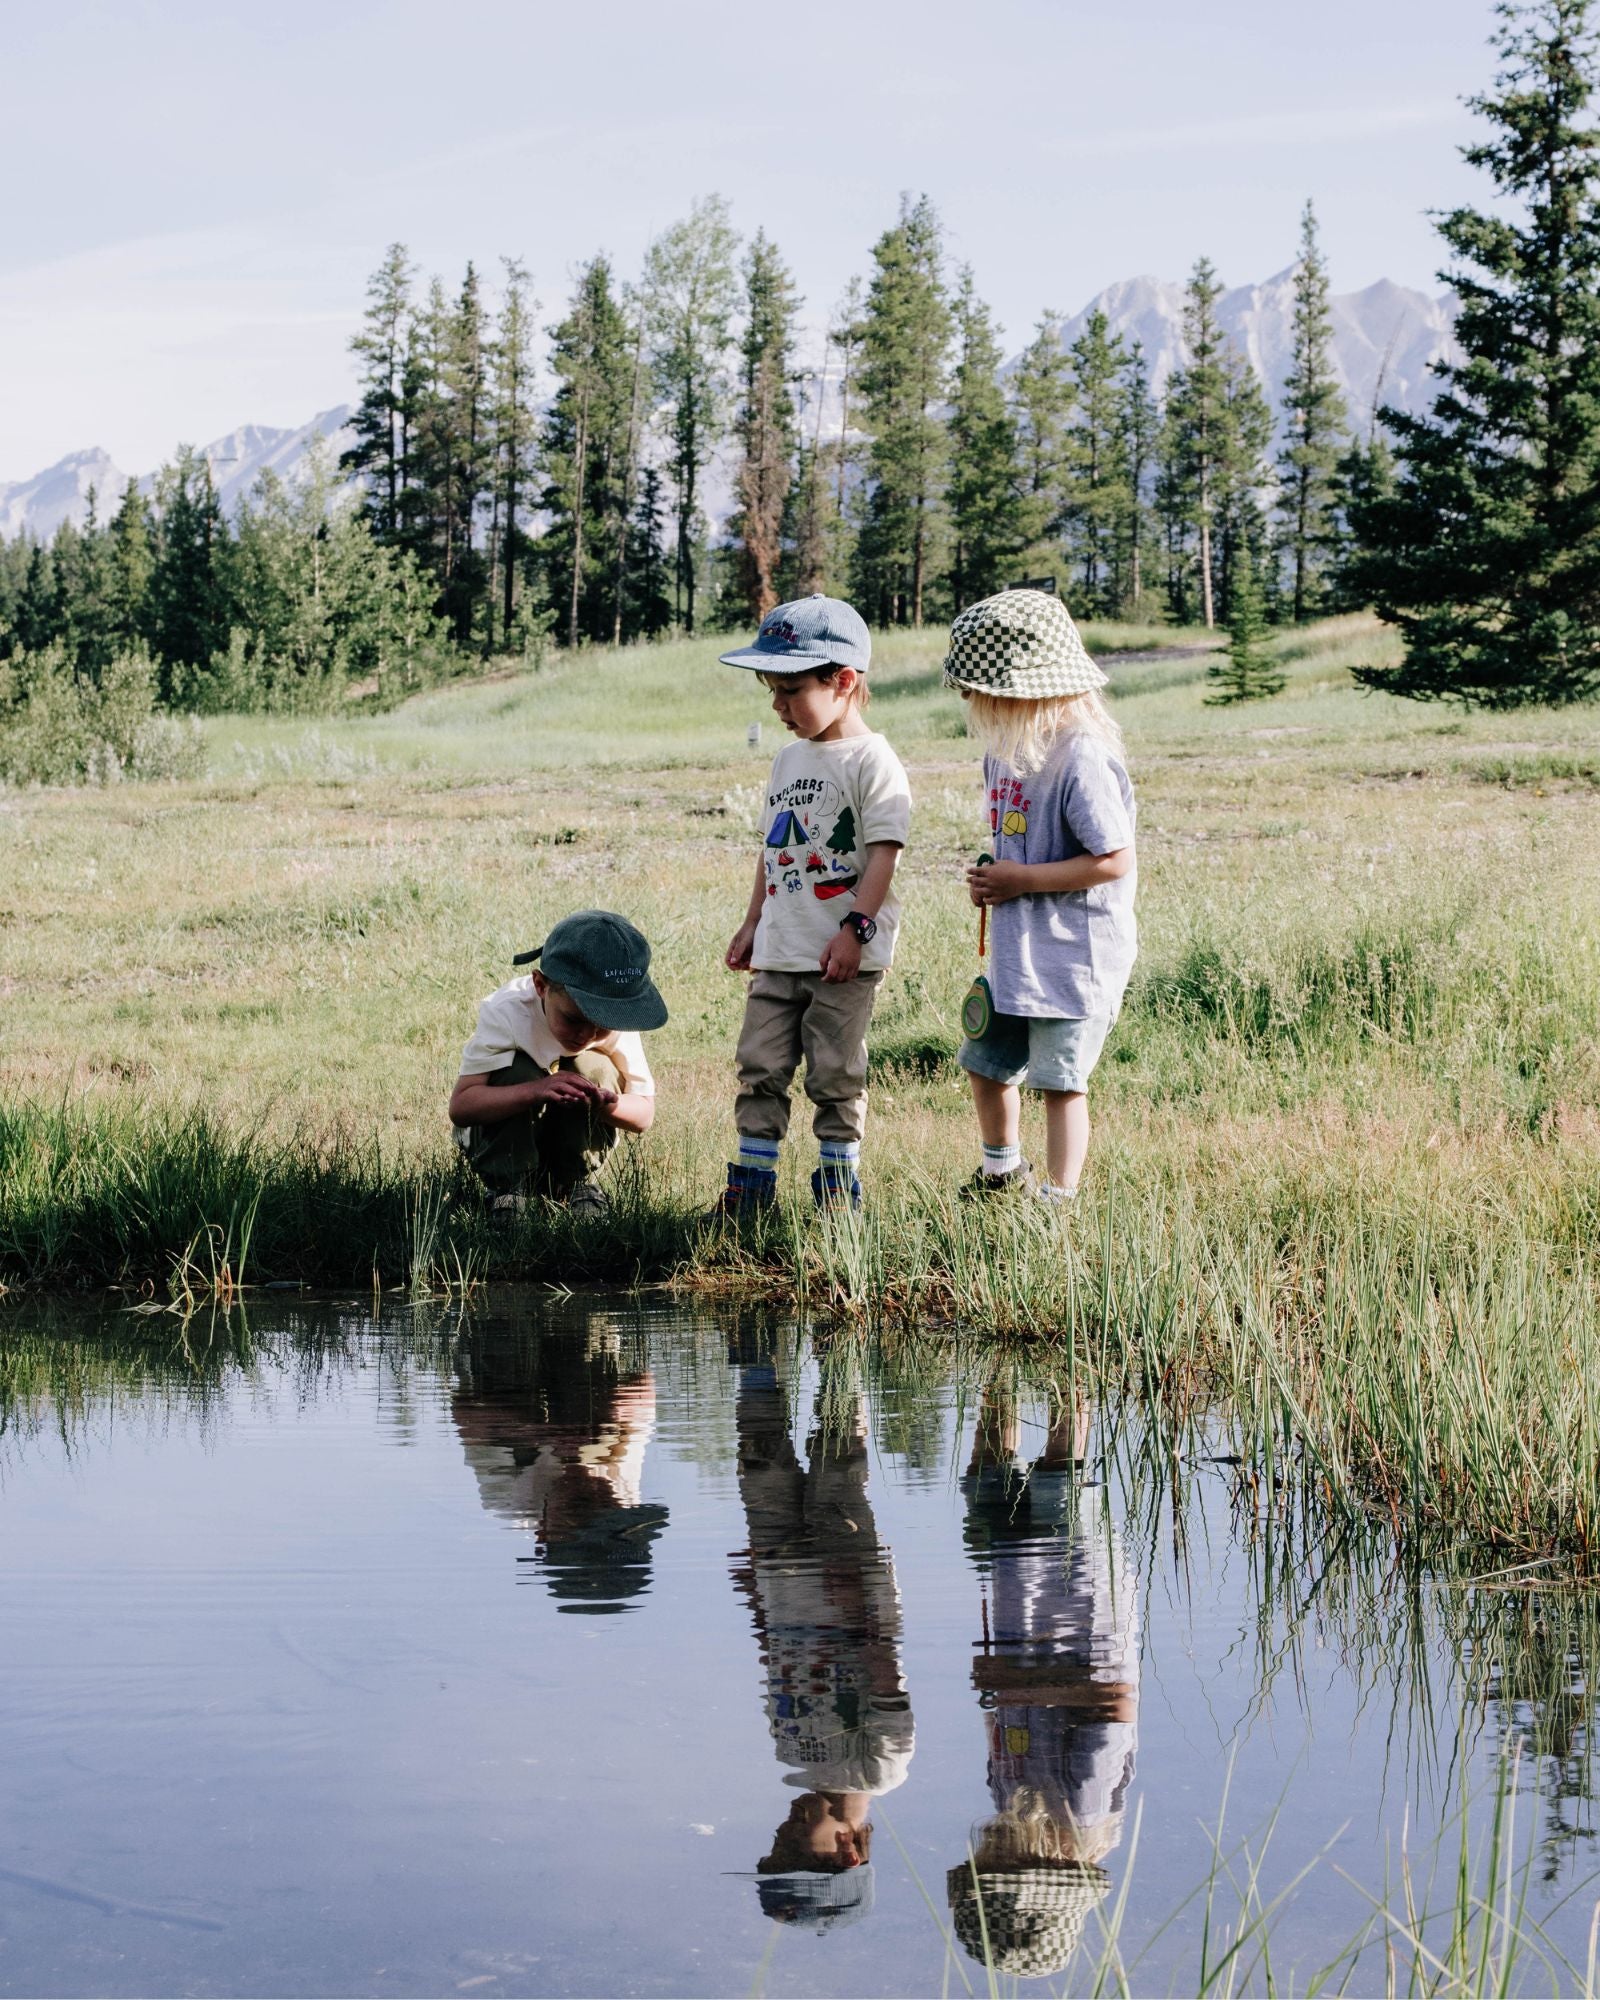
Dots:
pixel 620 575
pixel 579 467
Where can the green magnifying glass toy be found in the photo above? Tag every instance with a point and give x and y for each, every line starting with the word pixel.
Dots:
pixel 977 1010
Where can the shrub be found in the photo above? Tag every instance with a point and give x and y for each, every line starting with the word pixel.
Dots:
pixel 57 728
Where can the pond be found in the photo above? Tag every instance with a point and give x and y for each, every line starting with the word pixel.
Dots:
pixel 582 1646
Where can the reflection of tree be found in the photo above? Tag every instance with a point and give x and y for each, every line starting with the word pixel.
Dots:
pixel 826 1610
pixel 1057 1669
pixel 555 1429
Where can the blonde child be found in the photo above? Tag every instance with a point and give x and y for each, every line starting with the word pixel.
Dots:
pixel 1060 886
pixel 820 928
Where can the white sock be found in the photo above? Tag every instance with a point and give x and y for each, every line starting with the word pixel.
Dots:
pixel 999 1160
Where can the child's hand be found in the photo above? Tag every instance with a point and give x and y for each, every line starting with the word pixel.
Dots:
pixel 997 881
pixel 841 957
pixel 568 1087
pixel 737 956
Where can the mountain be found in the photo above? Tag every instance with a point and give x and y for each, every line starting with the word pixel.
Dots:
pixel 39 505
pixel 1386 333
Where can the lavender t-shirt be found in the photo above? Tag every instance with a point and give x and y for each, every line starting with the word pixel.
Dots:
pixel 1067 955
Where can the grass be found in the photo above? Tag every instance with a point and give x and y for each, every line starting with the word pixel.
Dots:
pixel 1347 1155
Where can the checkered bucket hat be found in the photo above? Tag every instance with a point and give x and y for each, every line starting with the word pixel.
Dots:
pixel 1032 1918
pixel 1021 645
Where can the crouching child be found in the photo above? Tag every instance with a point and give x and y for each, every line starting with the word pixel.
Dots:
pixel 555 1069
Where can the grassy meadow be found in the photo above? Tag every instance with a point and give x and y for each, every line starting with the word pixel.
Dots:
pixel 1347 1151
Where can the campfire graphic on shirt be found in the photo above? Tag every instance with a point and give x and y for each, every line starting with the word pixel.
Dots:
pixel 810 841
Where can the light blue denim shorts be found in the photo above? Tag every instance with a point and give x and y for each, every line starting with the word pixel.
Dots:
pixel 1044 1054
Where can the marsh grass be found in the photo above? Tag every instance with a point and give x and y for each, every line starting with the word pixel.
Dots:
pixel 1346 1171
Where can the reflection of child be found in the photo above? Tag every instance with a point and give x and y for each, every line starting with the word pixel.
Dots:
pixel 1061 883
pixel 555 1432
pixel 819 932
pixel 1058 1671
pixel 827 1614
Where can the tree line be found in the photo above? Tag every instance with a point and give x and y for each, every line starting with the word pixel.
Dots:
pixel 483 504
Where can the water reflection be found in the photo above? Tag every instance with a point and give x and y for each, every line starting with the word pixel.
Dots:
pixel 175 1499
pixel 822 1594
pixel 1057 1672
pixel 555 1428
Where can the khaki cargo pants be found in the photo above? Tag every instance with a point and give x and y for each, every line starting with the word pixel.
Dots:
pixel 790 1016
pixel 550 1148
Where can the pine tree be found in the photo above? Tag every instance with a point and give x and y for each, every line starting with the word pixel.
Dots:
pixel 765 426
pixel 383 416
pixel 1247 671
pixel 1094 496
pixel 987 512
pixel 905 344
pixel 1196 424
pixel 1241 479
pixel 648 608
pixel 1318 429
pixel 514 431
pixel 584 449
pixel 1486 555
pixel 1138 433
pixel 1041 403
pixel 690 292
pixel 131 558
pixel 188 612
pixel 40 612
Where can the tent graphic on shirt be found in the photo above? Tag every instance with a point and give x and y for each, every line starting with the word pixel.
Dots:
pixel 787 830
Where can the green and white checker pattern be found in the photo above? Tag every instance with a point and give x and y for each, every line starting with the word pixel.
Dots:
pixel 1021 645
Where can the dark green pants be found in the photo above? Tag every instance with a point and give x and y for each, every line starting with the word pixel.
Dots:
pixel 546 1150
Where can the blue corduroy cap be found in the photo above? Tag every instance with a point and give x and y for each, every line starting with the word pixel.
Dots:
pixel 811 632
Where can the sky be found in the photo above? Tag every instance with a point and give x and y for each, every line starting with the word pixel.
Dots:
pixel 199 189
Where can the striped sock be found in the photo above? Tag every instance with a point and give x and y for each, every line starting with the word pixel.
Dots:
pixel 761 1155
pixel 998 1160
pixel 840 1152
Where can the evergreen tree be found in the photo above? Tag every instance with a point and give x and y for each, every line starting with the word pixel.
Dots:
pixel 1041 403
pixel 765 425
pixel 690 292
pixel 318 603
pixel 1247 671
pixel 187 601
pixel 39 613
pixel 1486 555
pixel 130 559
pixel 987 512
pixel 1241 480
pixel 1308 465
pixel 1138 430
pixel 648 606
pixel 1196 422
pixel 584 448
pixel 383 416
pixel 514 431
pixel 1095 494
pixel 1364 482
pixel 905 344
pixel 95 638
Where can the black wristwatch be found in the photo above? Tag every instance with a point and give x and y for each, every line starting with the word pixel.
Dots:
pixel 864 926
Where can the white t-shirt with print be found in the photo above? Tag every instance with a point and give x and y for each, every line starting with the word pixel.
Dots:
pixel 827 803
pixel 513 1019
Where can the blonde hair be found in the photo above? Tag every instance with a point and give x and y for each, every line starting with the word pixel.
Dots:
pixel 1028 1835
pixel 1022 733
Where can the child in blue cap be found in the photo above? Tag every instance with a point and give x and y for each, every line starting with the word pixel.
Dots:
pixel 819 932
